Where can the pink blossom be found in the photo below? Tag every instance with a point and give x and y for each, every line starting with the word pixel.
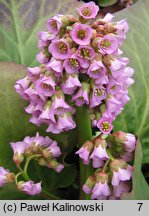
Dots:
pixel 99 154
pixel 130 142
pixel 82 97
pixel 3 176
pixel 89 184
pixel 71 84
pixel 65 122
pixel 104 125
pixel 71 64
pixel 21 86
pixel 42 58
pixel 34 72
pixel 98 94
pixel 97 71
pixel 108 44
pixel 59 105
pixel 85 151
pixel 54 24
pixel 121 171
pixel 85 53
pixel 56 66
pixel 101 188
pixel 45 86
pixel 59 49
pixel 81 34
pixel 30 188
pixel 88 10
pixel 123 187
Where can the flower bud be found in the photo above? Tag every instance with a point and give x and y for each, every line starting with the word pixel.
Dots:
pixel 101 188
pixel 89 184
pixel 55 165
pixel 85 151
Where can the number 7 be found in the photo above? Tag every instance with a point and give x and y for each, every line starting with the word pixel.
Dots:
pixel 140 205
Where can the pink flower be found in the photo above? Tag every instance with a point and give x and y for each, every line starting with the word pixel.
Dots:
pixel 97 71
pixel 89 184
pixel 123 187
pixel 104 125
pixel 127 140
pixel 130 142
pixel 44 39
pixel 99 153
pixel 71 64
pixel 56 66
pixel 85 53
pixel 59 49
pixel 82 97
pixel 108 44
pixel 121 171
pixel 47 112
pixel 42 58
pixel 81 34
pixel 30 187
pixel 52 151
pixel 98 94
pixel 18 149
pixel 127 156
pixel 33 95
pixel 112 104
pixel 54 24
pixel 45 86
pixel 85 151
pixel 88 10
pixel 108 17
pixel 101 188
pixel 71 84
pixel 21 86
pixel 34 72
pixel 65 122
pixel 59 105
pixel 3 176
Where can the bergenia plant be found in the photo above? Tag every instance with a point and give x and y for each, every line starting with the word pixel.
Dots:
pixel 81 83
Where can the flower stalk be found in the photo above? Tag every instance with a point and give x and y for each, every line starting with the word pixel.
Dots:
pixel 84 133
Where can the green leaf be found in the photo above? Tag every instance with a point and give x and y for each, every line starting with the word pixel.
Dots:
pixel 140 189
pixel 52 180
pixel 105 3
pixel 135 117
pixel 20 21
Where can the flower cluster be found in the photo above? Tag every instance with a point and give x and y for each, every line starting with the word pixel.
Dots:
pixel 43 149
pixel 80 64
pixel 112 175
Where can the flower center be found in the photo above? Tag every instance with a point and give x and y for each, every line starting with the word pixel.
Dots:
pixel 105 126
pixel 105 43
pixel 73 63
pixel 99 92
pixel 62 47
pixel 84 53
pixel 86 11
pixel 46 86
pixel 54 24
pixel 81 33
pixel 96 71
